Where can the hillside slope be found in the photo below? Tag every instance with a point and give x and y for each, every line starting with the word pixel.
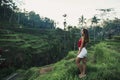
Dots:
pixel 103 64
pixel 23 48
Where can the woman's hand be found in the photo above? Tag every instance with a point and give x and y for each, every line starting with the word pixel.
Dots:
pixel 79 51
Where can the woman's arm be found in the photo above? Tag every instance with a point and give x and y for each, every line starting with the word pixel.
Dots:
pixel 80 48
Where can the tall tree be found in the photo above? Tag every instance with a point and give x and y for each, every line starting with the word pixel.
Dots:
pixel 94 23
pixel 82 21
pixel 7 8
pixel 65 23
pixel 104 16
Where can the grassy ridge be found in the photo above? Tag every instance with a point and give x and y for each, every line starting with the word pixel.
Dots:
pixel 103 64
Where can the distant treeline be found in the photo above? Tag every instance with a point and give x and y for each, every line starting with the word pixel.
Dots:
pixel 11 14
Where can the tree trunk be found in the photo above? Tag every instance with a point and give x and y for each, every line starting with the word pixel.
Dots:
pixel 74 46
pixel 94 34
pixel 10 19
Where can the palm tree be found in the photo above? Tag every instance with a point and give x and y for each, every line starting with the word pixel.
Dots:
pixel 104 14
pixel 94 21
pixel 82 21
pixel 65 23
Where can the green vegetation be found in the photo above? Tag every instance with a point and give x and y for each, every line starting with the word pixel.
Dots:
pixel 11 16
pixel 28 47
pixel 24 48
pixel 32 46
pixel 103 64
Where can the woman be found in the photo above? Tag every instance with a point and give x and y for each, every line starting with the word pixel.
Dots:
pixel 82 53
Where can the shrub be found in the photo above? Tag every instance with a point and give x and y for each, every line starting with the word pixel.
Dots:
pixel 116 38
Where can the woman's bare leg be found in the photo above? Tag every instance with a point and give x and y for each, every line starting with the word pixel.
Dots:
pixel 84 60
pixel 78 64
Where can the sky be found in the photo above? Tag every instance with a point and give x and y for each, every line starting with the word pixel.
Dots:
pixel 54 9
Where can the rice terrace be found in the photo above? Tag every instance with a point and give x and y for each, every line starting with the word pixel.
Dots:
pixel 59 39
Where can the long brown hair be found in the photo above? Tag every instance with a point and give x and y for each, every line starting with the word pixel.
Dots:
pixel 86 35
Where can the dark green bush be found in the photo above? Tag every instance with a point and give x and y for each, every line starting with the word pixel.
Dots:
pixel 116 38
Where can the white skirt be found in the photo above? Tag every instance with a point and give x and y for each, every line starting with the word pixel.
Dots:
pixel 83 53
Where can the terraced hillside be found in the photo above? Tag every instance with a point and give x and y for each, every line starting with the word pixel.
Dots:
pixel 26 49
pixel 103 64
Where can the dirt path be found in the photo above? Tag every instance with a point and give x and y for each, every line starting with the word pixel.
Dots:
pixel 45 70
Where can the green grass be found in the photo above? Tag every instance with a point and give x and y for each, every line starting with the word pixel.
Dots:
pixel 103 64
pixel 25 46
pixel 11 35
pixel 11 40
pixel 103 59
pixel 41 45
